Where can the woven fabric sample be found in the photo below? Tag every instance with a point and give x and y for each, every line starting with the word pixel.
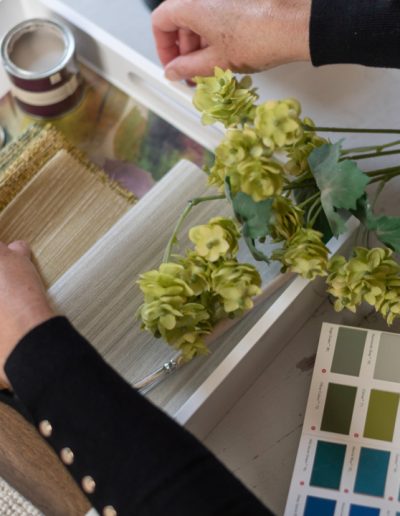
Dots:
pixel 22 159
pixel 62 211
pixel 13 503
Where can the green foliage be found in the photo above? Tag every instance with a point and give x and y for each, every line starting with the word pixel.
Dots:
pixel 304 253
pixel 341 183
pixel 286 185
pixel 370 276
pixel 387 229
pixel 278 124
pixel 222 98
pixel 254 216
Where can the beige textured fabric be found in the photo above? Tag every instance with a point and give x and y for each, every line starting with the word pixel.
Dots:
pixel 14 504
pixel 62 211
pixel 22 159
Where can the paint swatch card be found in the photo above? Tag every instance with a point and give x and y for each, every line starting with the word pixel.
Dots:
pixel 348 462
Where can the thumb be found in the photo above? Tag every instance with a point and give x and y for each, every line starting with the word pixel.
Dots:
pixel 201 62
pixel 20 247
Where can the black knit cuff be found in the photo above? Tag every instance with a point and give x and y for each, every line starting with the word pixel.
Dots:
pixel 363 32
pixel 42 355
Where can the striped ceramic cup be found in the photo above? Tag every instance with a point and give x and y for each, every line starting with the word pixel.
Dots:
pixel 39 57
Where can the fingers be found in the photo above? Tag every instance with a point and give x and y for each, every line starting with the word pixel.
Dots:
pixel 188 42
pixel 200 62
pixel 20 247
pixel 166 34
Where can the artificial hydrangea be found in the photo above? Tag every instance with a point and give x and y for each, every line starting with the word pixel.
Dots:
pixel 236 284
pixel 371 275
pixel 246 161
pixel 287 219
pixel 217 238
pixel 278 124
pixel 170 309
pixel 222 98
pixel 304 253
pixel 298 154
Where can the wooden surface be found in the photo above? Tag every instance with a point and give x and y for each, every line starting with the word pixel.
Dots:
pixel 30 466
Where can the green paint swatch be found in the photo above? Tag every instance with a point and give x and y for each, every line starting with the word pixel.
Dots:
pixel 388 359
pixel 338 409
pixel 349 351
pixel 381 415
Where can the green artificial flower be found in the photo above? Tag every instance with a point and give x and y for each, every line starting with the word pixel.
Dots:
pixel 198 271
pixel 171 309
pixel 278 124
pixel 304 253
pixel 246 161
pixel 259 178
pixel 299 152
pixel 236 284
pixel 286 220
pixel 371 275
pixel 216 239
pixel 222 98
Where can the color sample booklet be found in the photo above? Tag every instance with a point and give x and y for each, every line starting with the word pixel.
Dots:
pixel 348 462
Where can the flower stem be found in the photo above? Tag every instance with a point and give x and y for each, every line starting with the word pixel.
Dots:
pixel 310 199
pixel 370 148
pixel 349 130
pixel 191 204
pixel 314 219
pixel 371 155
pixel 315 206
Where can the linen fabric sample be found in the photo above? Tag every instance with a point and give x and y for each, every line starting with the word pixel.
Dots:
pixel 62 211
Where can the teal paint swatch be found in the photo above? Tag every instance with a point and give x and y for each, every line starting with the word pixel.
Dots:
pixel 349 351
pixel 328 465
pixel 371 472
pixel 338 409
pixel 388 359
pixel 381 415
pixel 316 506
pixel 362 510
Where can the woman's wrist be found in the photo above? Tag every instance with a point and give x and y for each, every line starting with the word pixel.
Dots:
pixel 23 322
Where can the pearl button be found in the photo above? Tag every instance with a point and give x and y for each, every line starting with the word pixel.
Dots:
pixel 45 428
pixel 109 511
pixel 67 456
pixel 88 484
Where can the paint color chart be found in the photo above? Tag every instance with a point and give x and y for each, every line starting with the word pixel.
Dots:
pixel 348 462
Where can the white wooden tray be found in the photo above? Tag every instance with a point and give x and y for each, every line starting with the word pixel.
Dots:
pixel 201 393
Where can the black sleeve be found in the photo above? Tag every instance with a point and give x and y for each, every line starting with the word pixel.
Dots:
pixel 363 32
pixel 128 456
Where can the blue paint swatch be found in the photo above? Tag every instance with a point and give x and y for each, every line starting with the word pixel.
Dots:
pixel 328 465
pixel 371 472
pixel 361 510
pixel 317 506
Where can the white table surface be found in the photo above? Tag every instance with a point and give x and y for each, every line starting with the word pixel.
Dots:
pixel 259 436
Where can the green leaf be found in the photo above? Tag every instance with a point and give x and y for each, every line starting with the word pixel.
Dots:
pixel 256 253
pixel 387 229
pixel 341 183
pixel 321 224
pixel 255 216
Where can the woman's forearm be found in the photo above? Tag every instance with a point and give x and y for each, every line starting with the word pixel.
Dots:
pixel 124 452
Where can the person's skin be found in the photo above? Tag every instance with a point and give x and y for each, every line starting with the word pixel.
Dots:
pixel 23 301
pixel 194 36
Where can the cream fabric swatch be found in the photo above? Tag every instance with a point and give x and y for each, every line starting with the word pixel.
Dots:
pixel 62 212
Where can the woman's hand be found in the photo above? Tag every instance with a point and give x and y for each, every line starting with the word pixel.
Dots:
pixel 23 302
pixel 194 36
